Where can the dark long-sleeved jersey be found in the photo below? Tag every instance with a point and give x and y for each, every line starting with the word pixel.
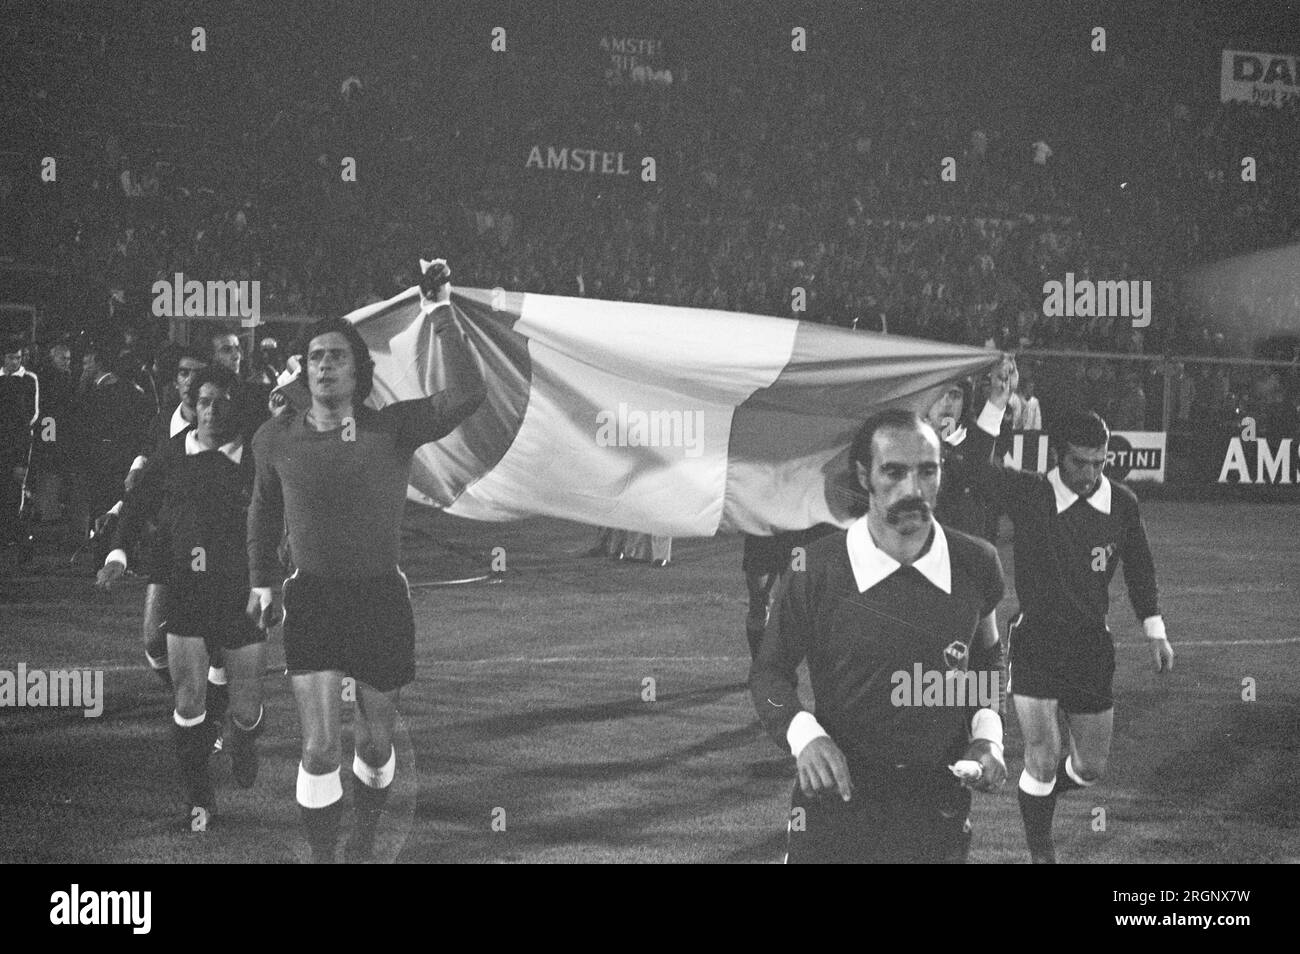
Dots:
pixel 198 501
pixel 1065 561
pixel 340 493
pixel 857 644
pixel 961 505
pixel 343 499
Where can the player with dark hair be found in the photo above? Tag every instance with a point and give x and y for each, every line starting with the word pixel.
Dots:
pixel 1073 528
pixel 895 594
pixel 336 476
pixel 198 485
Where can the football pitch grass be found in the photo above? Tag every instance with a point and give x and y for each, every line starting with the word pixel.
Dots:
pixel 528 735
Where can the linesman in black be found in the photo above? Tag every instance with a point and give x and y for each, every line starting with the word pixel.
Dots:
pixel 891 604
pixel 170 421
pixel 198 487
pixel 1074 526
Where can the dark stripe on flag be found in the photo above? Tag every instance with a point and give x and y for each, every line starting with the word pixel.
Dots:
pixel 788 463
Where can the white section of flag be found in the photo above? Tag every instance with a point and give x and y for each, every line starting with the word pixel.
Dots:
pixel 717 356
pixel 590 358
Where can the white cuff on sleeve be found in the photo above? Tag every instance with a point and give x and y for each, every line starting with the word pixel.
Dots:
pixel 139 462
pixel 116 509
pixel 116 556
pixel 1154 627
pixel 990 419
pixel 987 724
pixel 804 727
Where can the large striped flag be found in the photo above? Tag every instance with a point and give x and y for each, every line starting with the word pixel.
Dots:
pixel 677 421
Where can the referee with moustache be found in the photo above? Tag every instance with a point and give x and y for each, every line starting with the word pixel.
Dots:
pixel 876 775
pixel 767 559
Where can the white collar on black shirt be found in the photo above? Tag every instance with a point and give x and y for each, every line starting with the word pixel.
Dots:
pixel 871 564
pixel 178 422
pixel 1065 497
pixel 234 450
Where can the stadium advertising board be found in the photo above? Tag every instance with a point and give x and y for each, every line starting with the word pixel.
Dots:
pixel 1259 461
pixel 1028 451
pixel 550 158
pixel 1136 455
pixel 639 60
pixel 1261 79
pixel 1132 455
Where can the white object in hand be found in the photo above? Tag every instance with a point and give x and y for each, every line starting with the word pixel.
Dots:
pixel 968 770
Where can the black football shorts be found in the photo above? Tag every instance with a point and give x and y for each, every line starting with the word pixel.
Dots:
pixel 362 627
pixel 209 607
pixel 1074 666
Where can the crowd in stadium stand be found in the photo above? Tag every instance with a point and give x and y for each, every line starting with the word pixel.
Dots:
pixel 235 174
pixel 839 193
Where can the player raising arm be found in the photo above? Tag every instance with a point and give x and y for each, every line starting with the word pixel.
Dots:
pixel 966 449
pixel 335 476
